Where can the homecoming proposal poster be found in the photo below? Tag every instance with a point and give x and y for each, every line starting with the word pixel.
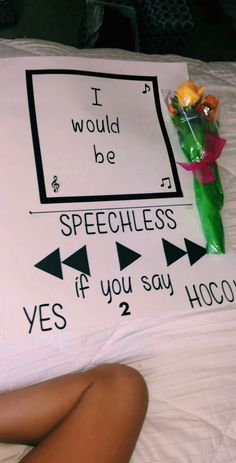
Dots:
pixel 98 221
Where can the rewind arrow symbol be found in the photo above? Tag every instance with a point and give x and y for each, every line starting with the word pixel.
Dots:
pixel 52 262
pixel 79 261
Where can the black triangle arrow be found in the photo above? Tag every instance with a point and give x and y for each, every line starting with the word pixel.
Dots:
pixel 195 252
pixel 79 261
pixel 51 264
pixel 126 255
pixel 172 252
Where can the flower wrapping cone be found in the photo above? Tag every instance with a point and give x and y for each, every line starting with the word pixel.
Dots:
pixel 195 119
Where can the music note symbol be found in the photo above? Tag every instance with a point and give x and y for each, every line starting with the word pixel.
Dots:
pixel 146 89
pixel 55 185
pixel 166 180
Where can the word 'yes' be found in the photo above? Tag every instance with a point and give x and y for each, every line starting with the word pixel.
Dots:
pixel 46 317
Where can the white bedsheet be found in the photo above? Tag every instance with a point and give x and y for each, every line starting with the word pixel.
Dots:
pixel 189 362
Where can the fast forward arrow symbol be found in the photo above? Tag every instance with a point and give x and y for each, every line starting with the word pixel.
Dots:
pixel 52 262
pixel 195 252
pixel 174 253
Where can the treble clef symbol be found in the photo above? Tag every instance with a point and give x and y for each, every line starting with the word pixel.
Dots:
pixel 55 185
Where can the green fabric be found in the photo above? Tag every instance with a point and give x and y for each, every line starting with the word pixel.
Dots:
pixel 56 20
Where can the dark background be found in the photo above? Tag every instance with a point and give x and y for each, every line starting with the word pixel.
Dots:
pixel 211 37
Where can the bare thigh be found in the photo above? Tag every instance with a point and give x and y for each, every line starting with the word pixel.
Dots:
pixel 95 416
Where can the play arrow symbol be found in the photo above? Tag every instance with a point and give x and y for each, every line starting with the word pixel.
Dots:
pixel 195 252
pixel 126 255
pixel 51 264
pixel 79 261
pixel 172 252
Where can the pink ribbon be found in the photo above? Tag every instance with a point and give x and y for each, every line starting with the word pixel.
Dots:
pixel 211 151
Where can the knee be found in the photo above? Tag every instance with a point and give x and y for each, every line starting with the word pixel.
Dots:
pixel 127 382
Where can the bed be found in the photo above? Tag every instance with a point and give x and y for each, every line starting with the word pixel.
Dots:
pixel 189 362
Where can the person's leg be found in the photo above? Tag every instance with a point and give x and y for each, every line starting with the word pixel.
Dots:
pixel 95 416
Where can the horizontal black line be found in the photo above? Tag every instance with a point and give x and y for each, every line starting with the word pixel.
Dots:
pixel 108 75
pixel 109 208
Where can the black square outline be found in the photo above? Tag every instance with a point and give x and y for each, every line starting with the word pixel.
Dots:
pixel 114 197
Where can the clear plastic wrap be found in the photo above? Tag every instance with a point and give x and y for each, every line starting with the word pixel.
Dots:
pixel 196 120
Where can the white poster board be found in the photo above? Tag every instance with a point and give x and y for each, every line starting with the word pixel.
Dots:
pixel 98 222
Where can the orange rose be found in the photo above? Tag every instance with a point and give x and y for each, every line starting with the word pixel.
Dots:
pixel 188 93
pixel 211 101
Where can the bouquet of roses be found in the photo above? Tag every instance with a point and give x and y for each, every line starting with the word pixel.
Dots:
pixel 195 117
